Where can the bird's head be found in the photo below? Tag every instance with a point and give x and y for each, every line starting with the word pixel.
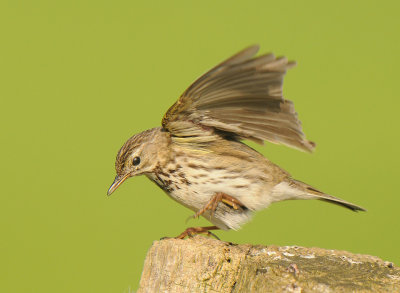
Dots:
pixel 139 155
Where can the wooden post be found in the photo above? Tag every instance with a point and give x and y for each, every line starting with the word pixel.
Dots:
pixel 202 264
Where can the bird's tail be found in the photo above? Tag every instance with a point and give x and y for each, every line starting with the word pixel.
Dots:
pixel 316 194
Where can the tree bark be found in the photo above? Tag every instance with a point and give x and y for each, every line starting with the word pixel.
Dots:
pixel 201 264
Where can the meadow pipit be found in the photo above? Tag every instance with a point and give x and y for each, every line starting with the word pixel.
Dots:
pixel 197 156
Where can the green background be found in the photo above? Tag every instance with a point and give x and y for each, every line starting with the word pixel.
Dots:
pixel 80 77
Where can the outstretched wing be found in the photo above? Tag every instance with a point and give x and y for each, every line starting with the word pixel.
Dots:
pixel 241 98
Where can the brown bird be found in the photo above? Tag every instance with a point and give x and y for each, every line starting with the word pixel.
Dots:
pixel 197 156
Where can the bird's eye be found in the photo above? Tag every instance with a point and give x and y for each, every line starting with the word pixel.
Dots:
pixel 136 161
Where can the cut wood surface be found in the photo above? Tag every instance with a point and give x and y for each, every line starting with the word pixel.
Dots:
pixel 202 264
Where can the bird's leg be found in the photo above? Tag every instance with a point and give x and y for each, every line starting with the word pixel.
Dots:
pixel 190 232
pixel 217 198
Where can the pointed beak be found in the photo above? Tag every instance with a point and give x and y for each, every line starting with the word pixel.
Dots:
pixel 117 182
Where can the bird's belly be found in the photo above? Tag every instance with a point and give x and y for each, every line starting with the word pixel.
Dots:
pixel 188 193
pixel 195 192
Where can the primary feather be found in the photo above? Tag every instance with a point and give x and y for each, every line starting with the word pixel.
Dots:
pixel 240 98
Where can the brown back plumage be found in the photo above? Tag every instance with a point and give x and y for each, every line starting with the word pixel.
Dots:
pixel 241 97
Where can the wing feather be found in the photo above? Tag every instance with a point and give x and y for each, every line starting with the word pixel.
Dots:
pixel 241 98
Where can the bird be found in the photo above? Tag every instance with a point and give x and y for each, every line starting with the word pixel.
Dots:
pixel 198 156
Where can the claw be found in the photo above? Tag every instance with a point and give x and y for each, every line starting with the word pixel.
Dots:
pixel 213 235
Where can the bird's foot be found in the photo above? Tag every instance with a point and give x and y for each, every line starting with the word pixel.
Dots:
pixel 215 200
pixel 190 232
